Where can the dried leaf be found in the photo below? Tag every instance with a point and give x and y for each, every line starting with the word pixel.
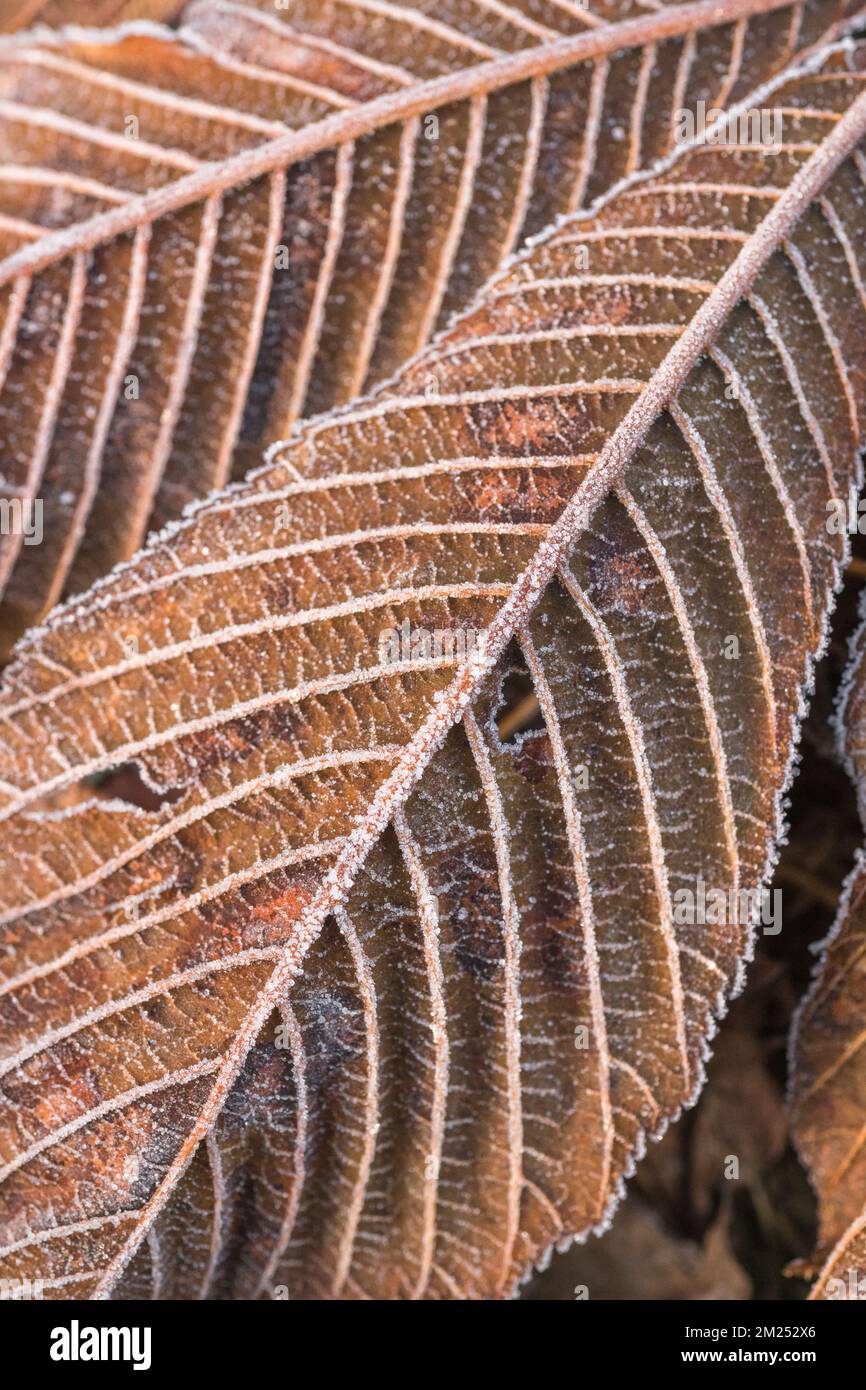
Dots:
pixel 828 1089
pixel 741 1117
pixel 272 210
pixel 377 1002
pixel 687 1211
pixel 18 14
pixel 640 1259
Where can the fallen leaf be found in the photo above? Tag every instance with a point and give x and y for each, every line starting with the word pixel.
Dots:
pixel 376 1003
pixel 828 1088
pixel 209 233
pixel 638 1259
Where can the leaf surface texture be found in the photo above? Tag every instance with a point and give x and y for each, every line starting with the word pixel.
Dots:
pixel 369 999
pixel 208 233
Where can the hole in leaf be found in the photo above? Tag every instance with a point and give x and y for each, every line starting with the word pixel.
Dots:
pixel 518 711
pixel 125 783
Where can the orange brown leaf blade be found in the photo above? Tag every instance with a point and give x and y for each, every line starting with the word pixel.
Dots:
pixel 828 1087
pixel 19 14
pixel 208 233
pixel 373 1002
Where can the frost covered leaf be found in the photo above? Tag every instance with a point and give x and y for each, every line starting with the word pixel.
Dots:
pixel 829 1063
pixel 363 997
pixel 209 233
pixel 18 14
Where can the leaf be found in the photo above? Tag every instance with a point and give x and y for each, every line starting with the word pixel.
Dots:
pixel 377 1002
pixel 741 1116
pixel 828 1087
pixel 210 233
pixel 18 14
pixel 640 1260
pixel 687 1228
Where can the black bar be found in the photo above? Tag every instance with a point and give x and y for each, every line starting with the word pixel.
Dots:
pixel 271 1337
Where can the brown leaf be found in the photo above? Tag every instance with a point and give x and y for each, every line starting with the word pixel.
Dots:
pixel 212 232
pixel 693 1226
pixel 375 1003
pixel 17 14
pixel 742 1117
pixel 828 1097
pixel 640 1259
